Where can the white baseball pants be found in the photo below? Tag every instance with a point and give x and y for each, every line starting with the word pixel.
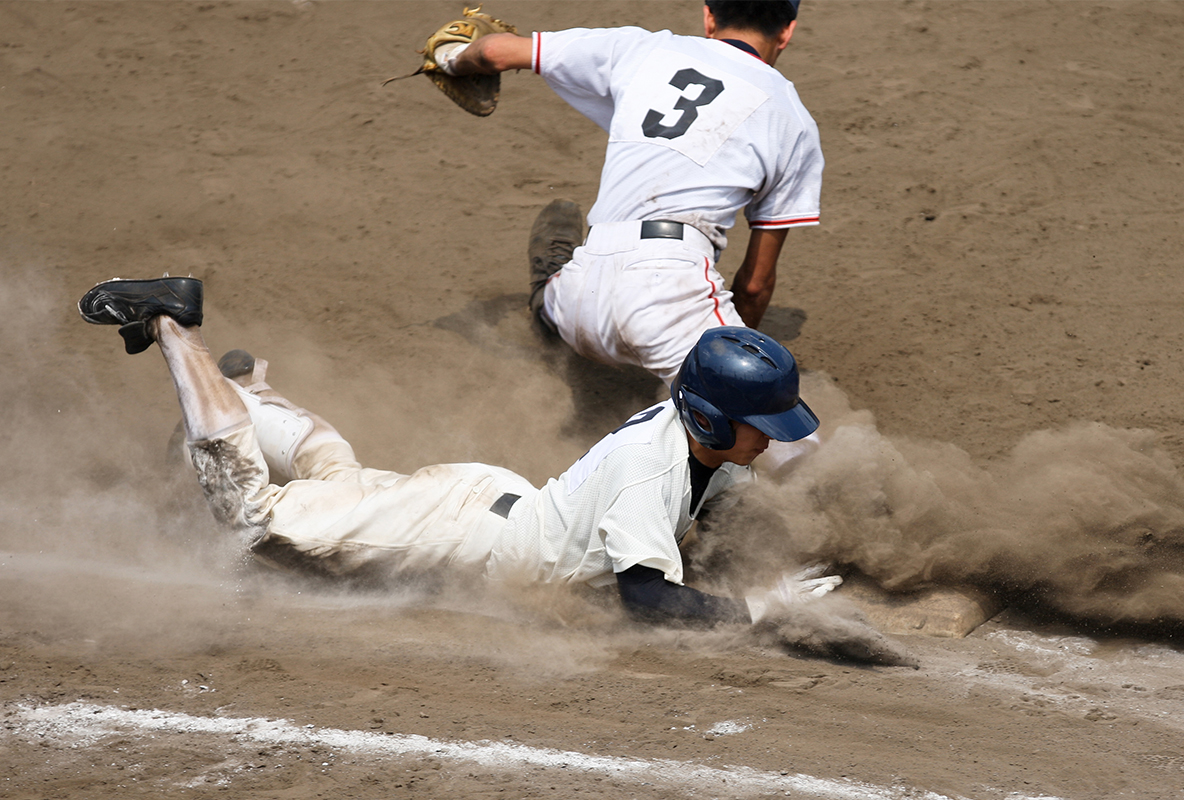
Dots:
pixel 345 516
pixel 627 300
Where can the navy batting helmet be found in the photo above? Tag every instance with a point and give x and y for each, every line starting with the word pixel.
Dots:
pixel 741 375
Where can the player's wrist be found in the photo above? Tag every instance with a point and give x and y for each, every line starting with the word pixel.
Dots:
pixel 446 55
pixel 808 583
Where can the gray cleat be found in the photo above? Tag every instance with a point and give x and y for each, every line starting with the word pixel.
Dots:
pixel 557 232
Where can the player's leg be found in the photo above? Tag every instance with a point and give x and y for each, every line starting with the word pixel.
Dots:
pixel 222 443
pixel 439 516
pixel 578 302
pixel 345 519
pixel 664 297
pixel 442 516
pixel 297 444
pixel 579 299
pixel 628 299
pixel 168 311
pixel 210 408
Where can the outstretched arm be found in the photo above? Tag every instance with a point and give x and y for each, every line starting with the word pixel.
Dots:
pixel 492 54
pixel 752 288
pixel 648 596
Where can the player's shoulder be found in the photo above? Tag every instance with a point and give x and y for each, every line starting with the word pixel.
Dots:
pixel 734 61
pixel 644 446
pixel 652 441
pixel 624 34
pixel 649 426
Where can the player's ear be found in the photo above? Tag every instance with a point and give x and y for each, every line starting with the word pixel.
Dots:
pixel 785 35
pixel 709 26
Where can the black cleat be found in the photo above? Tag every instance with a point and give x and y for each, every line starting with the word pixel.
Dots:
pixel 131 304
pixel 557 231
pixel 236 363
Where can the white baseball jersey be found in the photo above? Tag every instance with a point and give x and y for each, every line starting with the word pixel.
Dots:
pixel 698 129
pixel 625 502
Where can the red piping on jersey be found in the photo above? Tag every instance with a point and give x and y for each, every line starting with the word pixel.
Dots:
pixel 714 289
pixel 784 223
pixel 538 45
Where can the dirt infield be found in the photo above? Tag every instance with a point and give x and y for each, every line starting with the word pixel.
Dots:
pixel 988 316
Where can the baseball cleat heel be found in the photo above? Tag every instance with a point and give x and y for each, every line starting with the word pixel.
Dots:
pixel 244 369
pixel 557 231
pixel 236 363
pixel 132 304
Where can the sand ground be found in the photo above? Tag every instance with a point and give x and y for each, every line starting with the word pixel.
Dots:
pixel 988 315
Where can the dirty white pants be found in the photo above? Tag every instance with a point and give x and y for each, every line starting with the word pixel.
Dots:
pixel 346 516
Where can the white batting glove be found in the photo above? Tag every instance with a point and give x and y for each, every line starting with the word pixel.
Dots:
pixel 791 589
pixel 445 54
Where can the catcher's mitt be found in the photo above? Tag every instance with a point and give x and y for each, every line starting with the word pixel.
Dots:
pixel 476 94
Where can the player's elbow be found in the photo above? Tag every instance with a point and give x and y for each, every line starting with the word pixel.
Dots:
pixel 756 285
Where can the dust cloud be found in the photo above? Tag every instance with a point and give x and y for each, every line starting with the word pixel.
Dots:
pixel 112 543
pixel 1085 521
pixel 109 546
pixel 77 480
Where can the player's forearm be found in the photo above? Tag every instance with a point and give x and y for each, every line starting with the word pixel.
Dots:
pixel 648 596
pixel 751 298
pixel 752 288
pixel 492 54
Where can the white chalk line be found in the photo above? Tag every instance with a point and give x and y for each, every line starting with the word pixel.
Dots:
pixel 84 723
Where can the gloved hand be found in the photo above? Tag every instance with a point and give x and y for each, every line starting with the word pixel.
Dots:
pixel 793 588
pixel 476 94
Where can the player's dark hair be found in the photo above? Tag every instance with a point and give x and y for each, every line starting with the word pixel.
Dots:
pixel 769 17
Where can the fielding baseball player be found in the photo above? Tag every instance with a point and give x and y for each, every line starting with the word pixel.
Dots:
pixel 616 516
pixel 699 128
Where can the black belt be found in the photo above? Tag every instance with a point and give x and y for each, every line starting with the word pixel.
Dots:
pixel 661 229
pixel 503 504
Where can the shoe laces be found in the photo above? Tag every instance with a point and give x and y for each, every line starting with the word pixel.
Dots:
pixel 560 249
pixel 113 311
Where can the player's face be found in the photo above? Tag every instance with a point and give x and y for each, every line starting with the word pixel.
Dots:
pixel 750 443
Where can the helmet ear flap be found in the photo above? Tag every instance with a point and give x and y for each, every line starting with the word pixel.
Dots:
pixel 706 423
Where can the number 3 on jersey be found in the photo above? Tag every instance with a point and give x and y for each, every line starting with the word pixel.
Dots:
pixel 652 125
pixel 680 102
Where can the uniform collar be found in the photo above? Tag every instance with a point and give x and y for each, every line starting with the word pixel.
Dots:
pixel 745 46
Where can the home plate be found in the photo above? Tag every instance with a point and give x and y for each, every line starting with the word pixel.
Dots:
pixel 933 612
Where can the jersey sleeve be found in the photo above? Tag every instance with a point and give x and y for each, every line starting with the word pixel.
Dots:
pixel 639 527
pixel 649 597
pixel 577 64
pixel 791 197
